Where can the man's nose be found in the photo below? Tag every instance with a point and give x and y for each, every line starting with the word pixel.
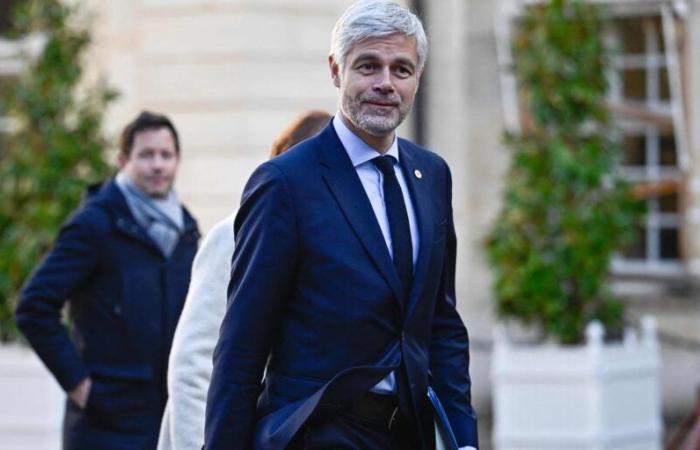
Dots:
pixel 158 162
pixel 383 82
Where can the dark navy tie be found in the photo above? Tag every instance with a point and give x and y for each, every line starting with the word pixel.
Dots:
pixel 399 228
pixel 402 249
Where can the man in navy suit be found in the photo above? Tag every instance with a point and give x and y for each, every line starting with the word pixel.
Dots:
pixel 342 282
pixel 122 262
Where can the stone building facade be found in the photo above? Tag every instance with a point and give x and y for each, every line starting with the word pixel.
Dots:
pixel 232 73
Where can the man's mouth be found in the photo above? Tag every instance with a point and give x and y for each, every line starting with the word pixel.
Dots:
pixel 381 101
pixel 381 104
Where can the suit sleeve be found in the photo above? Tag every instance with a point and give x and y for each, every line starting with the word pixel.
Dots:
pixel 449 351
pixel 190 366
pixel 262 272
pixel 67 265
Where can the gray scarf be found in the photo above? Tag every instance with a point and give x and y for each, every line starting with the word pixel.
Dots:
pixel 162 219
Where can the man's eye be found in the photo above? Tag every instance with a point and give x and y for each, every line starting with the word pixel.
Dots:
pixel 366 67
pixel 404 72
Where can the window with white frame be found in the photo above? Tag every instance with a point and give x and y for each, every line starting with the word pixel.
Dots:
pixel 645 87
pixel 646 96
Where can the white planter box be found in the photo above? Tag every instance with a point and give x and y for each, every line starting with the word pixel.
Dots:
pixel 597 396
pixel 31 402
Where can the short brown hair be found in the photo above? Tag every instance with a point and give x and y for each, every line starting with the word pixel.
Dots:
pixel 303 127
pixel 146 120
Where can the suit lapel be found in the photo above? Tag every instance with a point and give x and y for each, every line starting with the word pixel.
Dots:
pixel 422 205
pixel 346 187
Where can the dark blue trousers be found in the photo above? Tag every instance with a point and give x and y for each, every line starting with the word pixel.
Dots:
pixel 348 431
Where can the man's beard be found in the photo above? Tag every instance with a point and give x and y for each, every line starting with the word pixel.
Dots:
pixel 158 193
pixel 373 124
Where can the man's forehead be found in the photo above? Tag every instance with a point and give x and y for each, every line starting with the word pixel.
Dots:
pixel 393 44
pixel 154 138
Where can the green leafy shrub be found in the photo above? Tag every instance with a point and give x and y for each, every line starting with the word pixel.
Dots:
pixel 565 210
pixel 55 150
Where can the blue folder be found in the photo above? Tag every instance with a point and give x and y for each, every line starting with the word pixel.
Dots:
pixel 444 437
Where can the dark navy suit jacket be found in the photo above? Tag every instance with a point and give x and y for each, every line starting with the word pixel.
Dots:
pixel 125 299
pixel 315 298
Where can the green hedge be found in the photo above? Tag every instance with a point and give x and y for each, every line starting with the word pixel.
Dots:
pixel 56 149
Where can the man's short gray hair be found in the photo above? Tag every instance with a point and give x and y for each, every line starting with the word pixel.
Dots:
pixel 367 19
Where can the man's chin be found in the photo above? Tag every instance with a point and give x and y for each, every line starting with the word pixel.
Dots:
pixel 158 194
pixel 379 128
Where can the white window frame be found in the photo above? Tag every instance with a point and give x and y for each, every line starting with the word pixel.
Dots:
pixel 651 61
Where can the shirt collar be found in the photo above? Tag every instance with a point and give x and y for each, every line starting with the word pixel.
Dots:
pixel 358 150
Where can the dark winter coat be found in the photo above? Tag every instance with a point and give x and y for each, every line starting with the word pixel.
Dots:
pixel 124 299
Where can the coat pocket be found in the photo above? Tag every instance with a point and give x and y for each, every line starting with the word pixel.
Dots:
pixel 122 398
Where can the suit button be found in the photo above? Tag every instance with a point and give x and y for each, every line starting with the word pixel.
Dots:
pixel 117 310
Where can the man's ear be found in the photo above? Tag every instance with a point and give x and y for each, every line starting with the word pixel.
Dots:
pixel 122 160
pixel 335 71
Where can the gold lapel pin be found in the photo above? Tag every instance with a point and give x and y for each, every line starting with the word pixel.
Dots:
pixel 418 174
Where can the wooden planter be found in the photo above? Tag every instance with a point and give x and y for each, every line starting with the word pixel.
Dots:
pixel 597 396
pixel 31 402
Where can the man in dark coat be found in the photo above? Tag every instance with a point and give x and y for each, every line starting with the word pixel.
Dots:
pixel 342 283
pixel 122 263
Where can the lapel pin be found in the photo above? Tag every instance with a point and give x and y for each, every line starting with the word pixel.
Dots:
pixel 418 174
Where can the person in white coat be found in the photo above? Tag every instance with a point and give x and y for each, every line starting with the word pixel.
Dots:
pixel 197 332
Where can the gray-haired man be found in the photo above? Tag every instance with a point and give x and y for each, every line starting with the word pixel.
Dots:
pixel 342 282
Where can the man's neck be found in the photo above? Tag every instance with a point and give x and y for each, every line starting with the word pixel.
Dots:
pixel 380 143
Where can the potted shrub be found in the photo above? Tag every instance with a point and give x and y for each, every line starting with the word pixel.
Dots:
pixel 565 212
pixel 52 152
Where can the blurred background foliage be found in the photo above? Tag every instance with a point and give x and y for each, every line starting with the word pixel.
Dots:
pixel 55 146
pixel 566 210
